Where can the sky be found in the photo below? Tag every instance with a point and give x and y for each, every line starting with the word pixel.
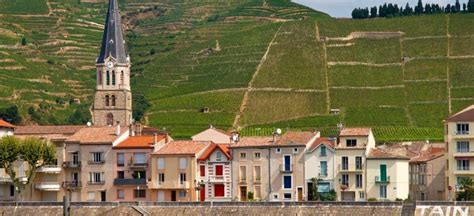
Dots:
pixel 343 8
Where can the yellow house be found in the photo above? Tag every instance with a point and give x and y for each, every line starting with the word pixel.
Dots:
pixel 387 175
pixel 460 148
pixel 174 170
pixel 350 161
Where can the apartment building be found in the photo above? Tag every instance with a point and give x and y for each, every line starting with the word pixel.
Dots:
pixel 270 168
pixel 174 170
pixel 89 163
pixel 460 147
pixel 387 175
pixel 427 175
pixel 132 162
pixel 319 164
pixel 351 151
pixel 215 173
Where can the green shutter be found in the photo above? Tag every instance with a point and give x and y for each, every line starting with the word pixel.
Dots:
pixel 383 172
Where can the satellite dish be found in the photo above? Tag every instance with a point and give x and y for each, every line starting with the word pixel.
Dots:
pixel 278 130
pixel 89 124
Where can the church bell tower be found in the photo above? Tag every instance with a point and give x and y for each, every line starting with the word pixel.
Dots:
pixel 113 97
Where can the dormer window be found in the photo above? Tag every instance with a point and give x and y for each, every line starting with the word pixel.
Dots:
pixel 351 142
pixel 218 156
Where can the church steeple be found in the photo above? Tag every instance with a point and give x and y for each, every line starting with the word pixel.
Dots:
pixel 113 44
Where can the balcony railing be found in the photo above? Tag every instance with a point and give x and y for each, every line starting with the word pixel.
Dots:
pixel 48 186
pixel 138 165
pixel 242 180
pixel 171 185
pixel 462 132
pixel 49 169
pixel 286 168
pixel 124 181
pixel 96 162
pixel 216 178
pixel 72 184
pixel 379 179
pixel 72 164
pixel 351 167
pixel 257 180
pixel 96 182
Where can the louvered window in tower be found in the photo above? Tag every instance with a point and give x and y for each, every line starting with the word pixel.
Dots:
pixel 99 76
pixel 107 100
pixel 121 78
pixel 113 100
pixel 107 78
pixel 113 77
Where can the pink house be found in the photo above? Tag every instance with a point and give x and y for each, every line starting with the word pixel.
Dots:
pixel 215 174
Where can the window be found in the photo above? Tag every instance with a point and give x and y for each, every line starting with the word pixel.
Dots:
pixel 202 170
pixel 161 163
pixel 161 178
pixel 287 196
pixel 258 192
pixel 95 177
pixel 97 157
pixel 257 173
pixel 120 159
pixel 322 151
pixel 12 190
pixel 107 78
pixel 462 146
pixel 218 156
pixel 383 191
pixel 113 77
pixel 182 193
pixel 219 169
pixel 324 187
pixel 99 77
pixel 462 128
pixel 278 150
pixel 351 143
pixel 120 194
pixel 139 174
pixel 182 178
pixel 345 163
pixel 120 174
pixel 110 119
pixel 422 179
pixel 287 182
pixel 90 196
pixel 358 181
pixel 107 98
pixel 139 193
pixel 243 155
pixel 345 179
pixel 257 155
pixel 243 173
pixel 275 196
pixel 422 196
pixel 324 168
pixel 358 162
pixel 182 163
pixel 295 150
pixel 113 100
pixel 139 158
pixel 121 77
pixel 361 195
pixel 463 164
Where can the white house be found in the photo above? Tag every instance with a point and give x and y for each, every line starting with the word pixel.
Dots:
pixel 6 129
pixel 215 174
pixel 319 164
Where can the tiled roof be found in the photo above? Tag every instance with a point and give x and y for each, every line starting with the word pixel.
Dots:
pixel 253 142
pixel 95 135
pixel 430 154
pixel 466 114
pixel 59 129
pixel 355 132
pixel 295 138
pixel 6 124
pixel 139 142
pixel 182 147
pixel 321 141
pixel 224 148
pixel 376 153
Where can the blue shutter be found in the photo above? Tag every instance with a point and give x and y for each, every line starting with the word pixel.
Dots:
pixel 286 181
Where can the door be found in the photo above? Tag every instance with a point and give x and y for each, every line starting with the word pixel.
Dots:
pixel 103 196
pixel 300 194
pixel 243 193
pixel 203 193
pixel 310 191
pixel 75 158
pixel 173 195
pixel 383 172
pixel 161 196
pixel 218 190
pixel 345 163
pixel 287 162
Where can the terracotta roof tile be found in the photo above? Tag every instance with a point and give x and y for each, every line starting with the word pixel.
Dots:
pixel 295 138
pixel 430 154
pixel 321 141
pixel 224 148
pixel 253 142
pixel 139 142
pixel 376 153
pixel 59 129
pixel 467 114
pixel 95 135
pixel 355 132
pixel 6 124
pixel 182 148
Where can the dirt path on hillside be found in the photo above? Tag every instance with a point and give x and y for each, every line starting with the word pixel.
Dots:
pixel 364 63
pixel 368 87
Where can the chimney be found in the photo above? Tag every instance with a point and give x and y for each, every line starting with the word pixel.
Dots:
pixel 132 130
pixel 117 130
pixel 155 138
pixel 167 138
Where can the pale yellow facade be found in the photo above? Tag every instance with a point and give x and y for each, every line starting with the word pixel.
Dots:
pixel 394 186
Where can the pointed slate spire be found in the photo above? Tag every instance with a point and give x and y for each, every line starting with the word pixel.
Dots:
pixel 112 40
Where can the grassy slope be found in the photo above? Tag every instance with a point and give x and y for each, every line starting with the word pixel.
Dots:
pixel 198 54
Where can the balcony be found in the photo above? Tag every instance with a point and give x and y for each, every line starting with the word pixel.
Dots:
pixel 379 179
pixel 463 153
pixel 96 182
pixel 5 180
pixel 171 185
pixel 350 168
pixel 72 185
pixel 123 181
pixel 286 168
pixel 216 178
pixel 257 180
pixel 463 171
pixel 48 186
pixel 243 180
pixel 137 165
pixel 54 169
pixel 96 162
pixel 72 164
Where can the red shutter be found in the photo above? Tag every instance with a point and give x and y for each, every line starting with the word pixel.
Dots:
pixel 218 170
pixel 202 170
pixel 218 190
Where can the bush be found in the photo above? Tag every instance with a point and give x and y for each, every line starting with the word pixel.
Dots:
pixel 250 196
pixel 24 42
pixel 50 61
pixel 11 114
pixel 372 199
pixel 140 106
pixel 80 116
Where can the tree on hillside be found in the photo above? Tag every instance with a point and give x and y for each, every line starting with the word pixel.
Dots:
pixel 458 6
pixel 11 114
pixel 464 7
pixel 419 7
pixel 33 153
pixel 470 6
pixel 408 11
pixel 373 12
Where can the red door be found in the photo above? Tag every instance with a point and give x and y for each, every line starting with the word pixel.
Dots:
pixel 203 193
pixel 218 190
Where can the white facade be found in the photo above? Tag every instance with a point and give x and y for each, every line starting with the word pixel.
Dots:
pixel 396 183
pixel 216 180
pixel 319 164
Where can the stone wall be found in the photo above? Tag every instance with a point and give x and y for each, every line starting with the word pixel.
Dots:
pixel 207 208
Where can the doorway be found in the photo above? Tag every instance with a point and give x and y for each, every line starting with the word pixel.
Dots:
pixel 203 193
pixel 173 195
pixel 300 194
pixel 243 193
pixel 310 191
pixel 103 196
